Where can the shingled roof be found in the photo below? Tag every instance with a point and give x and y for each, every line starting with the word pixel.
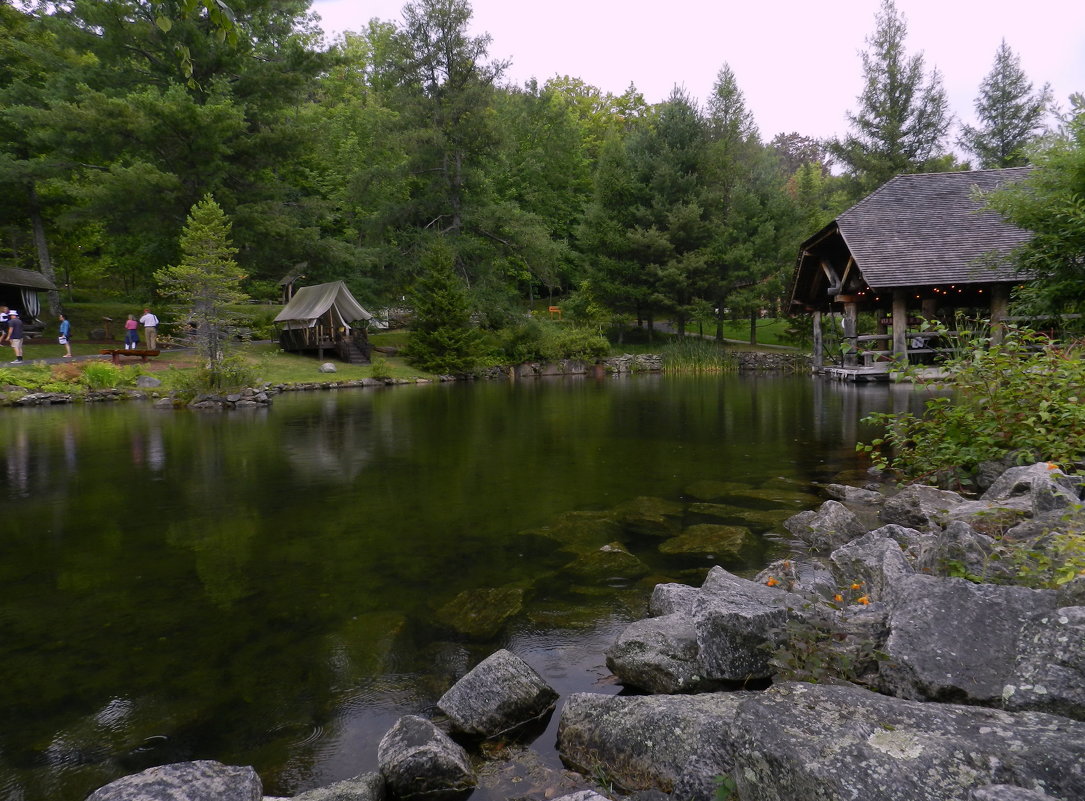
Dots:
pixel 916 231
pixel 930 228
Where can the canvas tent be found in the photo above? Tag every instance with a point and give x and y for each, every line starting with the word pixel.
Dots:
pixel 19 290
pixel 324 317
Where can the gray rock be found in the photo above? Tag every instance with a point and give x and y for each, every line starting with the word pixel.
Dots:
pixel 203 780
pixel 1050 672
pixel 1045 485
pixel 147 382
pixel 367 787
pixel 583 795
pixel 738 624
pixel 832 525
pixel 874 561
pixel 990 517
pixel 808 577
pixel 501 693
pixel 419 761
pixel 805 741
pixel 1007 792
pixel 920 507
pixel 952 640
pixel 670 598
pixel 849 494
pixel 612 561
pixel 960 550
pixel 1072 593
pixel 659 655
pixel 648 742
pixel 327 367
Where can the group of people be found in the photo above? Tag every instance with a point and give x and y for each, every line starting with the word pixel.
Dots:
pixel 11 332
pixel 150 331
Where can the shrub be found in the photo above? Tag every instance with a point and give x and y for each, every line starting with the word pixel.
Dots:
pixel 1023 396
pixel 103 375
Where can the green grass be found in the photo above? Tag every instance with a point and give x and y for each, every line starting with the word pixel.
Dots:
pixel 770 330
pixel 275 366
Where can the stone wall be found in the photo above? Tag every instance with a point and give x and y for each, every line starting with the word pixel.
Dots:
pixel 789 361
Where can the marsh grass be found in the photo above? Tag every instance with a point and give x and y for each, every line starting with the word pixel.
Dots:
pixel 691 355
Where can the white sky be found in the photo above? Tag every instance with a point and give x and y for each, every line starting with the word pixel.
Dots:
pixel 797 62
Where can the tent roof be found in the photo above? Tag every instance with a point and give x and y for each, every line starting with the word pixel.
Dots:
pixel 15 276
pixel 310 302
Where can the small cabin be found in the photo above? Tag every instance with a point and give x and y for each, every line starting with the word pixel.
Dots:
pixel 325 317
pixel 921 247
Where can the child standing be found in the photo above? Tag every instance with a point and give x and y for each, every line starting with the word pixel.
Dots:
pixel 65 335
pixel 131 333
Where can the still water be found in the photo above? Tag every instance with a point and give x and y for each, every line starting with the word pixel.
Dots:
pixel 263 588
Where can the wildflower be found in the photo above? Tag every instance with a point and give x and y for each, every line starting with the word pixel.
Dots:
pixel 862 599
pixel 857 585
pixel 1052 466
pixel 838 597
pixel 772 582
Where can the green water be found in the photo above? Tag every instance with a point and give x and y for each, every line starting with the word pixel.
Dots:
pixel 262 588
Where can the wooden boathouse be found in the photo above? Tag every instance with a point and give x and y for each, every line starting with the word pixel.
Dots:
pixel 325 317
pixel 921 247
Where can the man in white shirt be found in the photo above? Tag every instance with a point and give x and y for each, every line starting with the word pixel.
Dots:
pixel 150 329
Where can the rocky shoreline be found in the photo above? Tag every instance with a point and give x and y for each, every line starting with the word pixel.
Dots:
pixel 857 668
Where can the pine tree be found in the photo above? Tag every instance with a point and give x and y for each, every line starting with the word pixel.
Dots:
pixel 903 115
pixel 204 283
pixel 1010 113
pixel 442 338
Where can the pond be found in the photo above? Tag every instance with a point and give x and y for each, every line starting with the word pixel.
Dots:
pixel 272 588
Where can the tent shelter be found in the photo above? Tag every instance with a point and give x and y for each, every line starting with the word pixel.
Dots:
pixel 325 317
pixel 920 247
pixel 19 290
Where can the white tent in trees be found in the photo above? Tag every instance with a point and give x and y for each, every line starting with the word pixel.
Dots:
pixel 324 316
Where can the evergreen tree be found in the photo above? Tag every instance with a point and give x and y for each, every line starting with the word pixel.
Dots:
pixel 903 115
pixel 442 338
pixel 204 283
pixel 1010 114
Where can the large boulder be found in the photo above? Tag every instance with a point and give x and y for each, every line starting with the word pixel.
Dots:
pixel 1043 484
pixel 501 693
pixel 952 640
pixel 873 561
pixel 367 787
pixel 203 780
pixel 960 550
pixel 667 599
pixel 652 742
pixel 807 577
pixel 919 506
pixel 806 741
pixel 1050 672
pixel 419 761
pixel 831 526
pixel 739 623
pixel 659 655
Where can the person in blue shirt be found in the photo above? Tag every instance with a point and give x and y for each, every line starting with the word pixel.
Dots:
pixel 65 335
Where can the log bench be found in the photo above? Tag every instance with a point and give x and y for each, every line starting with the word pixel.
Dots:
pixel 116 353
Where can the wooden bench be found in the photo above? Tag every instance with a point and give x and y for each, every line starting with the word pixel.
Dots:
pixel 116 353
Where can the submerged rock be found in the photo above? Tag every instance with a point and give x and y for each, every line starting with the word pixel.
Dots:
pixel 612 561
pixel 707 538
pixel 652 517
pixel 481 613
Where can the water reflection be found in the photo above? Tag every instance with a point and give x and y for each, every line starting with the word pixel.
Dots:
pixel 264 589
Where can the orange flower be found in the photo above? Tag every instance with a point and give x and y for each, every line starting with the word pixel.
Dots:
pixel 857 585
pixel 772 582
pixel 838 597
pixel 862 599
pixel 1052 466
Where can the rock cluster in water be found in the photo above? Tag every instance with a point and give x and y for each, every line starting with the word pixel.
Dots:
pixel 930 686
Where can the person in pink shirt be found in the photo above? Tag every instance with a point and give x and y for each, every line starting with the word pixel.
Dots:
pixel 131 333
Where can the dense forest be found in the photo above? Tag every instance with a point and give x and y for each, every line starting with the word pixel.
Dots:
pixel 356 160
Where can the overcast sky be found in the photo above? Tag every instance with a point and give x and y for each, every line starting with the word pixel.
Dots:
pixel 796 62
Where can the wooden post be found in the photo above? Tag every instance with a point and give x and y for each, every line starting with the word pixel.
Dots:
pixel 1000 307
pixel 819 353
pixel 851 331
pixel 900 325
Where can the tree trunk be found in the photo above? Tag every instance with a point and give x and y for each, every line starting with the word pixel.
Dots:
pixel 753 326
pixel 45 261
